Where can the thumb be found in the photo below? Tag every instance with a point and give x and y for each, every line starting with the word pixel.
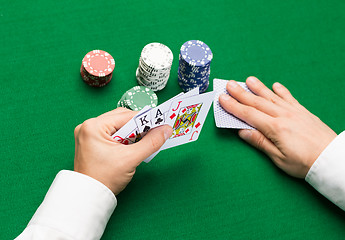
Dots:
pixel 259 141
pixel 152 142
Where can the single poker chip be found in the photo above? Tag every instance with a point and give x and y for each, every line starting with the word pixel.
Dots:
pixel 139 96
pixel 99 63
pixel 157 55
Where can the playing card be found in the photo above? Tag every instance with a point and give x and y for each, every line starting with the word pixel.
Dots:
pixel 187 116
pixel 223 118
pixel 149 118
pixel 125 134
pixel 157 117
pixel 143 122
pixel 159 113
pixel 164 109
pixel 134 136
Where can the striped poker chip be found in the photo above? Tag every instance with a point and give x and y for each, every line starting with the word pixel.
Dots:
pixel 137 98
pixel 154 66
pixel 194 65
pixel 99 63
pixel 157 55
pixel 97 68
pixel 94 82
pixel 196 53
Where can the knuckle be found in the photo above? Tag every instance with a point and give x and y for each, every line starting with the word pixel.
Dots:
pixel 289 114
pixel 76 130
pixel 256 103
pixel 274 100
pixel 246 112
pixel 260 142
pixel 279 127
pixel 88 126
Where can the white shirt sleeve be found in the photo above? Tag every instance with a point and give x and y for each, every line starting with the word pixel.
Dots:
pixel 327 175
pixel 75 207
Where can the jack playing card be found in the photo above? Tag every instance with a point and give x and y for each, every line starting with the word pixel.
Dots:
pixel 186 117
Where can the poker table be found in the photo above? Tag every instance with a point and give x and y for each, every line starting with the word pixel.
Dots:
pixel 217 187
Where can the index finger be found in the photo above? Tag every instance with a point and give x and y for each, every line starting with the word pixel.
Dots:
pixel 112 122
pixel 116 111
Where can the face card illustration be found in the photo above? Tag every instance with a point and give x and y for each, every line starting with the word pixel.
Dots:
pixel 122 135
pixel 184 119
pixel 164 108
pixel 135 136
pixel 187 117
pixel 159 113
pixel 133 130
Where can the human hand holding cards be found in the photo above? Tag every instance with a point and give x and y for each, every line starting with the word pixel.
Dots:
pixel 185 113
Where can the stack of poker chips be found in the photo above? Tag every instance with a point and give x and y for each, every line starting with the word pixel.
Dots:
pixel 194 66
pixel 97 68
pixel 137 98
pixel 154 66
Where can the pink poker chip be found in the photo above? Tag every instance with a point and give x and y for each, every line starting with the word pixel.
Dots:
pixel 99 63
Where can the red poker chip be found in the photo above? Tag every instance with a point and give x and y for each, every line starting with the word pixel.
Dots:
pixel 100 82
pixel 98 63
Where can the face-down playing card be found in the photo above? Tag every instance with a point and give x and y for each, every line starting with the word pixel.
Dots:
pixel 222 118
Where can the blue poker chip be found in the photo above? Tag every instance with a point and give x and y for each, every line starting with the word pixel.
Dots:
pixel 194 75
pixel 194 66
pixel 196 53
pixel 202 89
pixel 193 80
pixel 184 84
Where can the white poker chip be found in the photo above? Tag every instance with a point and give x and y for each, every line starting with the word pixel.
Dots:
pixel 157 55
pixel 154 66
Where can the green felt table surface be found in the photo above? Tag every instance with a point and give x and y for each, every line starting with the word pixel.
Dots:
pixel 215 188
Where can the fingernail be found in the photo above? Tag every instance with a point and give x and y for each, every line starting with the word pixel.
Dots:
pixel 225 97
pixel 252 80
pixel 245 134
pixel 167 132
pixel 277 84
pixel 232 84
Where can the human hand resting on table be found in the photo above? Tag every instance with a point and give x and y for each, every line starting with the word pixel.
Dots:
pixel 106 160
pixel 286 131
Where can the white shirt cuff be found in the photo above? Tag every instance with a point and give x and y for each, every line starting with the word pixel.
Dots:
pixel 76 205
pixel 327 175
